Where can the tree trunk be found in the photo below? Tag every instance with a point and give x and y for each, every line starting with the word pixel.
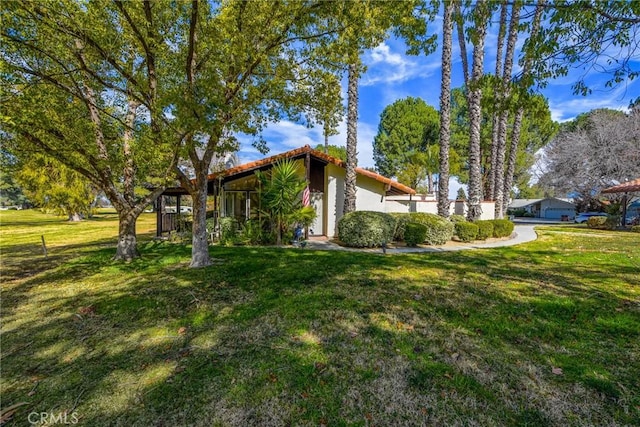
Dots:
pixel 475 113
pixel 352 141
pixel 200 242
pixel 326 140
pixel 445 111
pixel 127 243
pixel 75 216
pixel 511 162
pixel 504 95
pixel 495 119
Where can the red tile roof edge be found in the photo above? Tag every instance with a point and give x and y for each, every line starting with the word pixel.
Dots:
pixel 629 186
pixel 304 150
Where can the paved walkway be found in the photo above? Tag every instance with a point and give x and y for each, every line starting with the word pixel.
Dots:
pixel 522 233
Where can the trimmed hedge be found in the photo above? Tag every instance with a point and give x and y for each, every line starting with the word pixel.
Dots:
pixel 485 229
pixel 439 230
pixel 402 219
pixel 457 218
pixel 415 233
pixel 366 229
pixel 466 231
pixel 502 227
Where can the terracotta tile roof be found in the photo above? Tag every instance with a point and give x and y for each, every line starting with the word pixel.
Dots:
pixel 298 152
pixel 626 187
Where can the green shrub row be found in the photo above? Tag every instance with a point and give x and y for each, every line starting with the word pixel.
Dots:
pixel 635 229
pixel 502 227
pixel 415 233
pixel 366 229
pixel 485 229
pixel 439 230
pixel 466 231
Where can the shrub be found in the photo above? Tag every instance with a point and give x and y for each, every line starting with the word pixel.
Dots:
pixel 457 218
pixel 415 233
pixel 439 230
pixel 502 227
pixel 366 229
pixel 228 230
pixel 402 219
pixel 597 222
pixel 485 229
pixel 466 231
pixel 635 229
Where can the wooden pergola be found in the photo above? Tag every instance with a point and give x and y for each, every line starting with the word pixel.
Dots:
pixel 625 188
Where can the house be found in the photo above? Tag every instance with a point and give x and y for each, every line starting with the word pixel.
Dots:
pixel 234 190
pixel 547 208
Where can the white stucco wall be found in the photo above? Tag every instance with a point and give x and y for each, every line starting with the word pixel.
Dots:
pixel 369 196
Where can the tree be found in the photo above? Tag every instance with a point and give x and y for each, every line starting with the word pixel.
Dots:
pixel 334 151
pixel 55 187
pixel 481 14
pixel 596 36
pixel 352 139
pixel 503 95
pixel 461 194
pixel 596 150
pixel 280 190
pixel 536 130
pixel 11 193
pixel 88 84
pixel 406 143
pixel 445 110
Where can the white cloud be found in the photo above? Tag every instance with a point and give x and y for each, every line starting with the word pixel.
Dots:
pixel 385 66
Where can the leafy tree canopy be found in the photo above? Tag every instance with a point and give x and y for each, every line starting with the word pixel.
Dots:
pixel 407 130
pixel 339 152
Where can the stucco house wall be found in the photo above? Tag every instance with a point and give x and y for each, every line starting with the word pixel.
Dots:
pixel 370 196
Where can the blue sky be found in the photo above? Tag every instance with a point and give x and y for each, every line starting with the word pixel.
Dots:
pixel 392 75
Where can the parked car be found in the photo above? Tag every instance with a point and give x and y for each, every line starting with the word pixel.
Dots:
pixel 584 216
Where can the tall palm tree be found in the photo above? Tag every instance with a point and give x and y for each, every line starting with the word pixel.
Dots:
pixel 481 15
pixel 445 110
pixel 352 138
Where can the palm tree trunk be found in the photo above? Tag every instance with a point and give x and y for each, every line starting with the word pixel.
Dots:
pixel 475 112
pixel 352 140
pixel 445 110
pixel 505 92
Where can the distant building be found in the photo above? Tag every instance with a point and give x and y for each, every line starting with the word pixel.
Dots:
pixel 548 208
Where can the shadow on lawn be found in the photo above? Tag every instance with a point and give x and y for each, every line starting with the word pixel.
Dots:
pixel 285 336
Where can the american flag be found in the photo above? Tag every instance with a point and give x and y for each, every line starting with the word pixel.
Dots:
pixel 306 196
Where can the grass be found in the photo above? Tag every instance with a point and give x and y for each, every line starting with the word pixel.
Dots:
pixel 545 333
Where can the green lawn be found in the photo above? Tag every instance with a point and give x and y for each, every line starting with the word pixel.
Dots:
pixel 545 333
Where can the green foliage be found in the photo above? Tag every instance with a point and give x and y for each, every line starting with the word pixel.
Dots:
pixel 279 193
pixel 635 228
pixel 415 233
pixel 402 219
pixel 457 218
pixel 228 230
pixel 502 227
pixel 466 231
pixel 336 151
pixel 598 222
pixel 439 230
pixel 366 229
pixel 461 195
pixel 537 130
pixel 485 229
pixel 406 143
pixel 55 187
